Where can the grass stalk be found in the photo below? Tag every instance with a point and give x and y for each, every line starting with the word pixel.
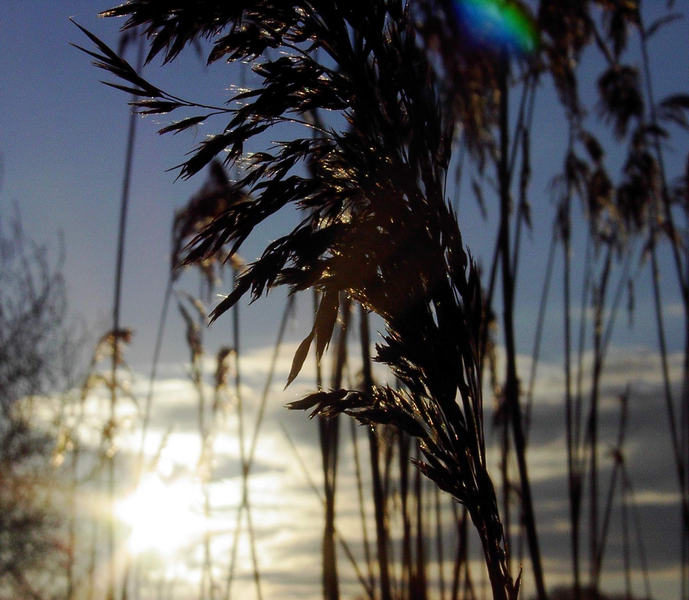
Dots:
pixel 573 401
pixel 419 581
pixel 329 435
pixel 538 334
pixel 581 346
pixel 329 438
pixel 592 421
pixel 682 275
pixel 72 523
pixel 148 406
pixel 618 458
pixel 460 551
pixel 511 389
pixel 242 444
pixel 71 588
pixel 195 343
pixel 522 136
pixel 380 516
pixel 504 427
pixel 626 546
pixel 288 310
pixel 404 444
pixel 669 401
pixel 362 504
pixel 92 562
pixel 117 300
pixel 665 199
pixel 376 479
pixel 439 548
pixel 638 533
pixel 345 546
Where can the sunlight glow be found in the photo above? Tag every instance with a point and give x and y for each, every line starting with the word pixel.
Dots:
pixel 162 517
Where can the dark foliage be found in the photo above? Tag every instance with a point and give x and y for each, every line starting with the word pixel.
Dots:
pixel 36 353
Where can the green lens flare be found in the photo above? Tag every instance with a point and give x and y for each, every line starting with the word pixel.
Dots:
pixel 497 24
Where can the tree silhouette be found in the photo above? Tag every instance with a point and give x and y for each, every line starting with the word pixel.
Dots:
pixel 36 352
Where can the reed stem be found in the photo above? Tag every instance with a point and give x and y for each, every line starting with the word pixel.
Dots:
pixel 511 389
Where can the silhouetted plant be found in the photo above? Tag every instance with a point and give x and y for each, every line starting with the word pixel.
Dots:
pixel 378 226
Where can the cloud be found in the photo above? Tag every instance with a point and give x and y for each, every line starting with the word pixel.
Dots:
pixel 287 511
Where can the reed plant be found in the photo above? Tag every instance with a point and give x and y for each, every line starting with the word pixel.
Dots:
pixel 378 233
pixel 621 218
pixel 379 227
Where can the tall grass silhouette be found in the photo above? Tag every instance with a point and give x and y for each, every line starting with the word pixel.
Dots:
pixel 373 100
pixel 378 229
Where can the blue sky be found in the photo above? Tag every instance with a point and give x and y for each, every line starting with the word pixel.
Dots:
pixel 62 146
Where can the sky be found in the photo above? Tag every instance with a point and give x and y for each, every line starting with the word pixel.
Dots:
pixel 62 148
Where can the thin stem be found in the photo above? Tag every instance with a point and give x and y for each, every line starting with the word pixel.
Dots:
pixel 506 486
pixel 599 294
pixel 362 505
pixel 538 335
pixel 403 455
pixel 439 544
pixel 629 492
pixel 512 382
pixel 242 454
pixel 119 267
pixel 314 488
pixel 154 370
pixel 573 474
pixel 460 554
pixel 682 273
pixel 419 580
pixel 667 211
pixel 522 135
pixel 669 402
pixel 289 308
pixel 626 559
pixel 378 497
pixel 581 346
pixel 328 430
pixel 249 458
pixel 618 456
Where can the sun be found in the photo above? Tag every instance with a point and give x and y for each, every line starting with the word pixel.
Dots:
pixel 162 517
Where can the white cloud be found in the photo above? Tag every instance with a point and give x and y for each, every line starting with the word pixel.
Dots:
pixel 287 513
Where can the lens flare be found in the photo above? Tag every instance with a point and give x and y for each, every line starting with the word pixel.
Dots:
pixel 497 24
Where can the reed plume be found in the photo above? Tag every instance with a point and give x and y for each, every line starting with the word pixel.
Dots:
pixel 377 225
